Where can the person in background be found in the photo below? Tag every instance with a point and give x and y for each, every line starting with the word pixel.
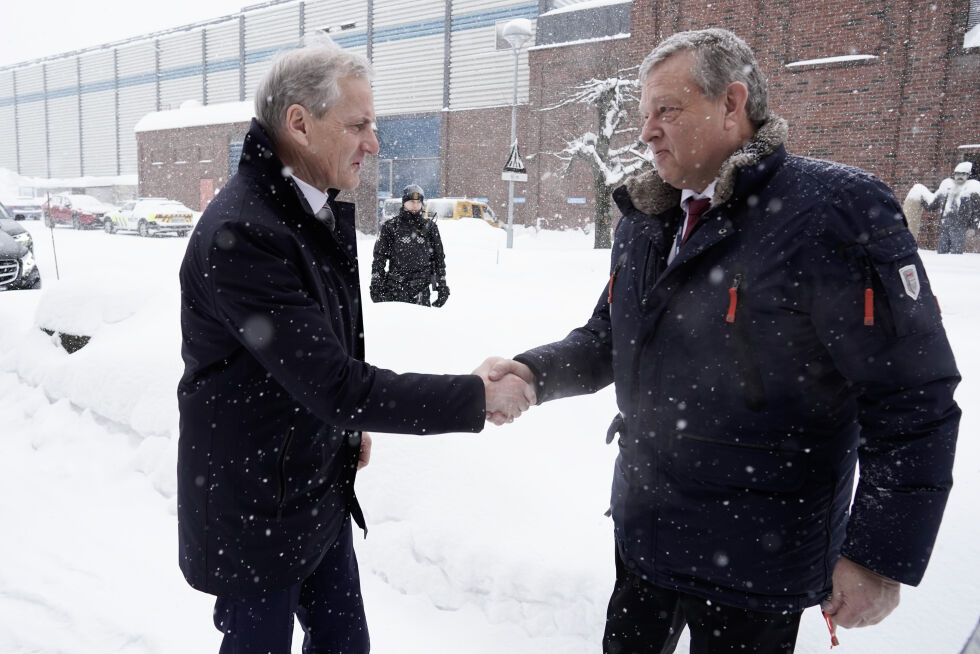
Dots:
pixel 958 202
pixel 768 325
pixel 275 394
pixel 409 257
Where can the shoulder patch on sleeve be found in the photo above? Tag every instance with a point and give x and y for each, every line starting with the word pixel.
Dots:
pixel 910 280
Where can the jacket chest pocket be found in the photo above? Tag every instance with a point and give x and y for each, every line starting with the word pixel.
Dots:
pixel 635 273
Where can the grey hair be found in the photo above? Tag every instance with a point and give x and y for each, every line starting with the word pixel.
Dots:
pixel 720 58
pixel 307 76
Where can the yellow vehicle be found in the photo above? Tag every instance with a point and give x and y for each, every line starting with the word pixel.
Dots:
pixel 456 208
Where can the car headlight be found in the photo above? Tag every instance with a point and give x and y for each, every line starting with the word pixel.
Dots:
pixel 28 262
pixel 25 240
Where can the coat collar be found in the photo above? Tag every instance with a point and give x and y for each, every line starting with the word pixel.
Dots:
pixel 260 162
pixel 650 194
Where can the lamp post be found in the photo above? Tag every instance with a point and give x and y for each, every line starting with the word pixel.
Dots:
pixel 516 32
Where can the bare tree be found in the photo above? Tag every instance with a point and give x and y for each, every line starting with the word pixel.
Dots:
pixel 611 99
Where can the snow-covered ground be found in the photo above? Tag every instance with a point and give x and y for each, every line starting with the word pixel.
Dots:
pixel 482 543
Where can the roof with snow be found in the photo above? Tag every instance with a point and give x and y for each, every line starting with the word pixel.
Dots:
pixel 194 114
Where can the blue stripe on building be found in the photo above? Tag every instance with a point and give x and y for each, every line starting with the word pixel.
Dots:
pixel 417 29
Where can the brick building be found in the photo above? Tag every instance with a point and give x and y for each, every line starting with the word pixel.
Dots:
pixel 886 86
pixel 906 111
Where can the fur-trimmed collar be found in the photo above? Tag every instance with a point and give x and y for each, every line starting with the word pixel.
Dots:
pixel 652 195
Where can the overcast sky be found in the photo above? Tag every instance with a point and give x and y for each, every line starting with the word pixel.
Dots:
pixel 30 29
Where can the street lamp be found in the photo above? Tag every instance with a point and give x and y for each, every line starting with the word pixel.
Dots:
pixel 516 32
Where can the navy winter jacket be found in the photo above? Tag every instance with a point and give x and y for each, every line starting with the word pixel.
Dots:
pixel 794 335
pixel 275 390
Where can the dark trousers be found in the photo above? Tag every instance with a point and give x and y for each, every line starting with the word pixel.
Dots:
pixel 952 239
pixel 328 605
pixel 646 619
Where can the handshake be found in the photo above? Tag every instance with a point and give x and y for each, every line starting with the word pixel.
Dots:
pixel 509 387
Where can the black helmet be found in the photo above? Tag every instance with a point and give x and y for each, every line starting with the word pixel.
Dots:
pixel 413 192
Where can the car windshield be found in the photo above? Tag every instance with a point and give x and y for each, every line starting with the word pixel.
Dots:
pixel 86 202
pixel 4 213
pixel 166 206
pixel 440 208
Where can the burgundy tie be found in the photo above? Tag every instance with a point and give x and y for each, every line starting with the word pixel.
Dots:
pixel 694 210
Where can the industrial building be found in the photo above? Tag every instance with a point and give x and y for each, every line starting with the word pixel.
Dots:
pixel 888 86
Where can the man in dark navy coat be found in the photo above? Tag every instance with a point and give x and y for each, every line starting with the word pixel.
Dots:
pixel 275 392
pixel 768 324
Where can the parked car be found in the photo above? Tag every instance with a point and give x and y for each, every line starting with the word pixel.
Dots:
pixel 389 209
pixel 444 209
pixel 23 208
pixel 149 216
pixel 79 211
pixel 456 208
pixel 18 270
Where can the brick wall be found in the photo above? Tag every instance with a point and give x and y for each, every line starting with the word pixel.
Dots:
pixel 901 117
pixel 172 163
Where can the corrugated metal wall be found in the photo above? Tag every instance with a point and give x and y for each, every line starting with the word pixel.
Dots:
pixel 268 31
pixel 74 127
pixel 409 55
pixel 483 76
pixel 63 119
pixel 99 130
pixel 181 70
pixel 335 14
pixel 223 76
pixel 31 122
pixel 8 125
pixel 137 96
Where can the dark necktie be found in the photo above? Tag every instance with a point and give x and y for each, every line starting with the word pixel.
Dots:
pixel 694 210
pixel 325 216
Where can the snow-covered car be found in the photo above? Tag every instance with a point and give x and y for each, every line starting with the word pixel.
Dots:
pixel 149 216
pixel 22 208
pixel 75 209
pixel 17 266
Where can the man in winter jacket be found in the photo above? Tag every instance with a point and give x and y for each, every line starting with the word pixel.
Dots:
pixel 958 202
pixel 275 392
pixel 408 256
pixel 759 351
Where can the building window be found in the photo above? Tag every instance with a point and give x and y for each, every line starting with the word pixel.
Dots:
pixel 974 18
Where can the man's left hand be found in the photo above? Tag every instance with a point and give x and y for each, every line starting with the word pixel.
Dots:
pixel 364 455
pixel 860 597
pixel 443 292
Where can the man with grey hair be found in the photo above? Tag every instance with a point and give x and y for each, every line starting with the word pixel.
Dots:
pixel 768 325
pixel 275 392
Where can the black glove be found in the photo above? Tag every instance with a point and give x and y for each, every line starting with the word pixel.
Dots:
pixel 443 292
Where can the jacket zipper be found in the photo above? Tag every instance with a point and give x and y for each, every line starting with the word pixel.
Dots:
pixel 755 395
pixel 612 277
pixel 281 473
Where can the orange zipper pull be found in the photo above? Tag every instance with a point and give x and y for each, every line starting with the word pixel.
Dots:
pixel 733 298
pixel 833 629
pixel 869 296
pixel 612 279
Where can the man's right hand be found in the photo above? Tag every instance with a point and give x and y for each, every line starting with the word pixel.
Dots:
pixel 860 597
pixel 502 378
